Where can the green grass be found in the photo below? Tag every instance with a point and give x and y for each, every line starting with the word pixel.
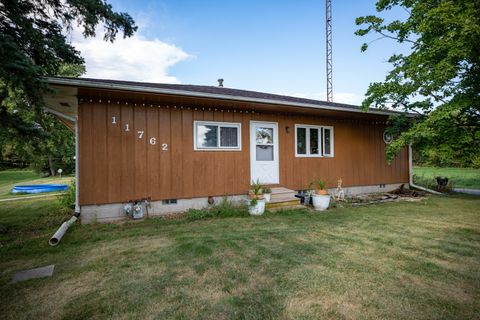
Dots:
pixel 11 178
pixel 405 260
pixel 460 177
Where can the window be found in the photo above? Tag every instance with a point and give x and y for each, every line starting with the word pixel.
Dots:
pixel 313 141
pixel 217 136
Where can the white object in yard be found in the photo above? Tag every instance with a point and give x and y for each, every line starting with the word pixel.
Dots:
pixel 321 202
pixel 258 209
pixel 340 194
pixel 55 239
pixel 267 196
pixel 60 172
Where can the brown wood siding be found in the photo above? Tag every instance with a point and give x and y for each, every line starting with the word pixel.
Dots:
pixel 117 166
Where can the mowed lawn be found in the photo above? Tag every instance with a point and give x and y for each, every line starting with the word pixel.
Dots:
pixel 11 178
pixel 460 177
pixel 404 260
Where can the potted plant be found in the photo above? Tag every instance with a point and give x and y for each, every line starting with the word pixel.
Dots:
pixel 257 201
pixel 256 191
pixel 256 207
pixel 267 193
pixel 307 197
pixel 321 198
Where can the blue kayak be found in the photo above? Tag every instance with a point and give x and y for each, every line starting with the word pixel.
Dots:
pixel 39 188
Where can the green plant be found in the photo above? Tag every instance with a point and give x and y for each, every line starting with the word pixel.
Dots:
pixel 321 184
pixel 266 189
pixel 223 209
pixel 256 187
pixel 253 202
pixel 67 199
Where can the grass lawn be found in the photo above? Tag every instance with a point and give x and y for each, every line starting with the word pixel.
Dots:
pixel 460 177
pixel 404 260
pixel 11 178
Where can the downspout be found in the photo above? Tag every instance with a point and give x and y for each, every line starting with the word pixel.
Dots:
pixel 410 174
pixel 55 239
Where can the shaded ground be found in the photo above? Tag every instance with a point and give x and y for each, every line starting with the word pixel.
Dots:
pixel 402 260
pixel 11 178
pixel 460 177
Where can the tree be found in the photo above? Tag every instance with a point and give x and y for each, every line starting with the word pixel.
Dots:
pixel 33 44
pixel 439 80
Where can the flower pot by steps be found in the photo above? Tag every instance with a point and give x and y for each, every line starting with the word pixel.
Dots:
pixel 258 209
pixel 267 197
pixel 321 202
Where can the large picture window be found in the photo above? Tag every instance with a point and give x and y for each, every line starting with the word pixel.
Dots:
pixel 313 141
pixel 217 136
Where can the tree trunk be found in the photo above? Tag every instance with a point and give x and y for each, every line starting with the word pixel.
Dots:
pixel 50 165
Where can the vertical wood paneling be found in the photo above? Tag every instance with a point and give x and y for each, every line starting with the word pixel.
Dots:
pixel 114 151
pixel 153 171
pixel 165 155
pixel 187 154
pixel 127 185
pixel 140 156
pixel 176 135
pixel 116 165
pixel 100 159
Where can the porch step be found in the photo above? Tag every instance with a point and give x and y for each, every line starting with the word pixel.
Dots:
pixel 287 203
pixel 282 193
pixel 282 198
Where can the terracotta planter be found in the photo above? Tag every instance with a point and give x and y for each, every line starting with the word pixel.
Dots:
pixel 321 192
pixel 251 195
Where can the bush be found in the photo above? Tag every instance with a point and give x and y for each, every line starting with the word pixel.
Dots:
pixel 67 200
pixel 224 208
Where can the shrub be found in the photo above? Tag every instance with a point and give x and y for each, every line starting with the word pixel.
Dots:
pixel 224 208
pixel 67 200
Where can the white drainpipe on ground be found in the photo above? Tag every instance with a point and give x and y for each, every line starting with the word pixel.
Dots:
pixel 410 173
pixel 55 239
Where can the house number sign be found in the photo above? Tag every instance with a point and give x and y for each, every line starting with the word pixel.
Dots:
pixel 140 135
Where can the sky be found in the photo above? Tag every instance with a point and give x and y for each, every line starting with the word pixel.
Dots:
pixel 264 45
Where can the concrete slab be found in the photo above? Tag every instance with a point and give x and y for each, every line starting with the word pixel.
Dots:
pixel 41 272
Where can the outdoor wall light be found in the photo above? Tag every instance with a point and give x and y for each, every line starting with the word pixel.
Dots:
pixel 287 129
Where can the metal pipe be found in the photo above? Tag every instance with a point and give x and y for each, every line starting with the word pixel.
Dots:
pixel 410 174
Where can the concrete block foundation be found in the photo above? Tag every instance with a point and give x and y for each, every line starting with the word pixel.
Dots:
pixel 114 211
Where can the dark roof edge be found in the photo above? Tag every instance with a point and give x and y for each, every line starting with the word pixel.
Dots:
pixel 91 83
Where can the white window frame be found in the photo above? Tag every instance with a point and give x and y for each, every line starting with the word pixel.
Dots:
pixel 321 144
pixel 219 124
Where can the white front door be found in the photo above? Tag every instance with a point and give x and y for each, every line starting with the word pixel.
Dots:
pixel 264 152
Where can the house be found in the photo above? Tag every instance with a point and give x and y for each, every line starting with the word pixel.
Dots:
pixel 177 145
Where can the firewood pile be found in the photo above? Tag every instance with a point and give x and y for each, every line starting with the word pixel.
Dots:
pixel 399 194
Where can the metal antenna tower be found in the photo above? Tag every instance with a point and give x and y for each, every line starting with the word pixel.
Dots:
pixel 328 7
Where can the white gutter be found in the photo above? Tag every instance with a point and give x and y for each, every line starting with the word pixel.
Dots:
pixel 57 236
pixel 128 87
pixel 77 193
pixel 410 174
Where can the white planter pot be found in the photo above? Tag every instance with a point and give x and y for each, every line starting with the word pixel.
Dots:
pixel 321 202
pixel 258 209
pixel 267 196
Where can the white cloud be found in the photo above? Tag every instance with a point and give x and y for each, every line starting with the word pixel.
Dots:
pixel 135 58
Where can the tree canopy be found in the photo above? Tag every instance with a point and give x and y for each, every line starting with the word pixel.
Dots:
pixel 439 79
pixel 33 44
